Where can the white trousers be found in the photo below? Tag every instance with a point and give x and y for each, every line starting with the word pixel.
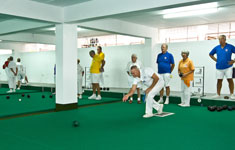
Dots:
pixel 12 82
pixel 150 102
pixel 79 86
pixel 102 79
pixel 185 93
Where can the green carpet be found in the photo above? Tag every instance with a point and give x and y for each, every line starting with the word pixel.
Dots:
pixel 120 126
pixel 3 91
pixel 86 101
pixel 13 106
pixel 35 103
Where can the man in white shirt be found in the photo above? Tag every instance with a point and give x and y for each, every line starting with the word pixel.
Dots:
pixel 5 67
pixel 13 70
pixel 80 72
pixel 131 63
pixel 154 82
pixel 21 73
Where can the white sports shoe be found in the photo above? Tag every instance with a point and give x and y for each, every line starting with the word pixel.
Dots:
pixel 215 96
pixel 184 105
pixel 80 97
pixel 160 101
pixel 232 96
pixel 93 96
pixel 160 109
pixel 167 101
pixel 147 115
pixel 10 91
pixel 181 104
pixel 98 98
pixel 18 88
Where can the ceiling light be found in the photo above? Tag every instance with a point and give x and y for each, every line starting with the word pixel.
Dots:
pixel 190 13
pixel 190 10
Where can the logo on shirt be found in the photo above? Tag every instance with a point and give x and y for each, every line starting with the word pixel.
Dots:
pixel 226 50
pixel 185 65
pixel 165 57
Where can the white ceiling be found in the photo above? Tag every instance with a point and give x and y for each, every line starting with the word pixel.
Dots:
pixel 4 17
pixel 154 19
pixel 61 3
pixel 82 33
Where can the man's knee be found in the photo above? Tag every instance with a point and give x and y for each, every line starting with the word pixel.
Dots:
pixel 230 80
pixel 219 81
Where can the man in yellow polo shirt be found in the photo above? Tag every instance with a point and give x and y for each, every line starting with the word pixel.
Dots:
pixel 101 55
pixel 95 75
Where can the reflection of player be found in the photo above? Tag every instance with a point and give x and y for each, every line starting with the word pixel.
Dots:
pixel 54 76
pixel 80 72
pixel 133 62
pixel 21 73
pixel 102 56
pixel 13 71
pixel 5 67
pixel 95 75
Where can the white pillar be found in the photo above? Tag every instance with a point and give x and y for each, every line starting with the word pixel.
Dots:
pixel 150 53
pixel 66 66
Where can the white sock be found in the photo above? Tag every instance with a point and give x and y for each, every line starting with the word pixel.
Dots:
pixel 138 99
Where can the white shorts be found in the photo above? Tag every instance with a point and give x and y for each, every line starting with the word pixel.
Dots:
pixel 167 78
pixel 228 73
pixel 95 77
pixel 20 77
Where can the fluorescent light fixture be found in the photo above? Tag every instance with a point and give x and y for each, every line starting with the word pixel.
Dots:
pixel 191 13
pixel 190 10
pixel 53 29
pixel 0 40
pixel 79 29
pixel 5 51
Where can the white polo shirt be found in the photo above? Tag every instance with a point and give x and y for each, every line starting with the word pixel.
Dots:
pixel 138 64
pixel 12 65
pixel 79 70
pixel 20 68
pixel 146 77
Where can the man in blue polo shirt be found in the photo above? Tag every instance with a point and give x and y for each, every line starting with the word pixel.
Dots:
pixel 166 65
pixel 224 64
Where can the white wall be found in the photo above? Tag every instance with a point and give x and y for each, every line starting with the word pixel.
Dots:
pixel 116 58
pixel 199 54
pixel 40 64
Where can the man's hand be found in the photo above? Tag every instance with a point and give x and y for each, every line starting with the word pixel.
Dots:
pixel 125 98
pixel 147 91
pixel 101 69
pixel 231 62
